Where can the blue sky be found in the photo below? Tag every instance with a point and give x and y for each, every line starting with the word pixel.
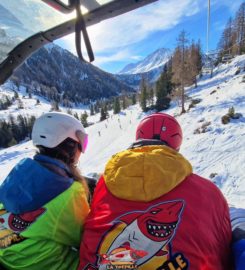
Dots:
pixel 132 36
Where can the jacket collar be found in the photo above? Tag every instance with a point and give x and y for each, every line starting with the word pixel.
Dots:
pixel 144 142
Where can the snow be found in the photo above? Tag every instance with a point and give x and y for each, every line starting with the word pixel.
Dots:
pixel 217 154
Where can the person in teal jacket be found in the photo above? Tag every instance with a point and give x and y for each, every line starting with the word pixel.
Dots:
pixel 44 199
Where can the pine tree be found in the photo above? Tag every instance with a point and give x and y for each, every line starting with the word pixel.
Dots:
pixel 134 99
pixel 106 110
pixel 16 95
pixel 91 109
pixel 69 111
pixel 30 123
pixel 55 106
pixel 22 123
pixel 103 114
pixel 124 102
pixel 228 39
pixel 240 28
pixel 76 115
pixel 194 61
pixel 151 96
pixel 116 105
pixel 181 68
pixel 143 95
pixel 97 107
pixel 6 134
pixel 163 88
pixel 20 104
pixel 84 119
pixel 14 128
pixel 5 103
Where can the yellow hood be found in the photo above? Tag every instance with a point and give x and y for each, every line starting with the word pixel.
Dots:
pixel 145 173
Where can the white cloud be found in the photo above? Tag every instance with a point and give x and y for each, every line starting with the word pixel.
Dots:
pixel 115 57
pixel 135 26
pixel 119 56
pixel 232 5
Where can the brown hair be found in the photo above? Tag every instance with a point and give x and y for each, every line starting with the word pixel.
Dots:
pixel 65 152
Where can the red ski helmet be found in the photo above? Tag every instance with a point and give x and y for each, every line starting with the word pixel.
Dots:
pixel 160 126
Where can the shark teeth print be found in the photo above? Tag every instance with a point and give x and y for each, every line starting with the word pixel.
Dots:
pixel 160 230
pixel 19 223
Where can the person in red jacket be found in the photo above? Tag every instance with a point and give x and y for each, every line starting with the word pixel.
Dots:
pixel 151 212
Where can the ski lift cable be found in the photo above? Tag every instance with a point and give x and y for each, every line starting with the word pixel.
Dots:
pixel 208 27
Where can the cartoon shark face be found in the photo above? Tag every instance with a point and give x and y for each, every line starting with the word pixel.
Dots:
pixel 159 222
pixel 19 223
pixel 150 230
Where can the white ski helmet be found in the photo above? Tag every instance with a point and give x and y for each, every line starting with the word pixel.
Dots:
pixel 53 128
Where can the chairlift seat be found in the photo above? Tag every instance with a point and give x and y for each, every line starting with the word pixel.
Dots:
pixel 206 70
pixel 226 58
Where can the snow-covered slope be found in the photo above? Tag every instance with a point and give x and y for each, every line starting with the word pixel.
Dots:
pixel 218 153
pixel 155 60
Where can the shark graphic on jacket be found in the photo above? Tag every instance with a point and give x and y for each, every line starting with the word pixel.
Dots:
pixel 150 230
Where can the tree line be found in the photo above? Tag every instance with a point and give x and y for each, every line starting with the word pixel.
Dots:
pixel 180 71
pixel 232 40
pixel 116 104
pixel 15 130
pixel 5 102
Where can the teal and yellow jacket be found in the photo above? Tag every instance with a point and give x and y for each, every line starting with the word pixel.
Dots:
pixel 41 217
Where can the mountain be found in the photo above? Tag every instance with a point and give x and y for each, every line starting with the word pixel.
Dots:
pixel 150 67
pixel 153 61
pixel 133 80
pixel 63 73
pixel 215 150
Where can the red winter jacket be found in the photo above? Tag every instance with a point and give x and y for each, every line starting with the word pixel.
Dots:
pixel 151 212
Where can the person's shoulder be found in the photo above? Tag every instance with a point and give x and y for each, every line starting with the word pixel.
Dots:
pixel 205 185
pixel 75 192
pixel 237 216
pixel 76 187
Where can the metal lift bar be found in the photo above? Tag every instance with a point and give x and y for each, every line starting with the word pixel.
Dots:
pixel 23 50
pixel 60 6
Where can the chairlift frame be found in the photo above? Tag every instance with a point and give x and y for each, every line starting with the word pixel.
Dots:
pixel 62 7
pixel 26 48
pixel 225 58
pixel 208 65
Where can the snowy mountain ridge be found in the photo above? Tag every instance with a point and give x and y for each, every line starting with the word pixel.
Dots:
pixel 216 151
pixel 150 67
pixel 155 60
